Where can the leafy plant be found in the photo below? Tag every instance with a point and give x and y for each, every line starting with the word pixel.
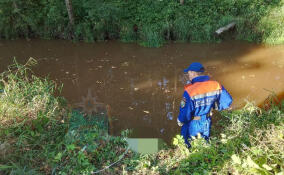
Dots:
pixel 157 21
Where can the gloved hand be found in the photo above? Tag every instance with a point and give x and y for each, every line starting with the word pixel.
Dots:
pixel 179 123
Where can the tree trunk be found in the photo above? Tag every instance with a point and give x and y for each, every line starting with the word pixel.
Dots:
pixel 181 2
pixel 70 11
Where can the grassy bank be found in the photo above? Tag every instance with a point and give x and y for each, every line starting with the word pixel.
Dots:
pixel 39 134
pixel 251 141
pixel 150 23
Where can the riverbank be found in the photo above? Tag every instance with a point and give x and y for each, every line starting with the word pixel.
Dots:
pixel 39 134
pixel 149 23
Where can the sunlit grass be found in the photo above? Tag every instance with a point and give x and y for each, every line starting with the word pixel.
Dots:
pixel 25 97
pixel 251 142
pixel 40 135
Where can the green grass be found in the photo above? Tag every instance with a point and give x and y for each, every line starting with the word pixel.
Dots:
pixel 39 134
pixel 127 33
pixel 25 97
pixel 157 21
pixel 151 36
pixel 250 142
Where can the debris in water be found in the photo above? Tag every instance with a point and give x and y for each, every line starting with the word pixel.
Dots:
pixel 170 115
pixel 243 77
pixel 130 108
pixel 168 106
pixel 167 91
pixel 113 67
pixel 67 72
pixel 75 81
pixel 100 66
pixel 121 88
pixel 147 112
pixel 125 64
pixel 136 89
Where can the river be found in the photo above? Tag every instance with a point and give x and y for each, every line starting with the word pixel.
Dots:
pixel 142 87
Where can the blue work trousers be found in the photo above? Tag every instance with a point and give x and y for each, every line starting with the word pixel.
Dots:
pixel 194 127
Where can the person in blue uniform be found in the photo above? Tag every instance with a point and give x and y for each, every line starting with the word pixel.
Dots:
pixel 199 98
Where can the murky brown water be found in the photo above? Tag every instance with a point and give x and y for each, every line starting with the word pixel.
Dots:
pixel 142 86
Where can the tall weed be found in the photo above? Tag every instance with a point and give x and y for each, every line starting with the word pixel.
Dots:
pixel 25 97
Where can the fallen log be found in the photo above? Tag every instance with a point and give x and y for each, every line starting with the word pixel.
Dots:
pixel 225 28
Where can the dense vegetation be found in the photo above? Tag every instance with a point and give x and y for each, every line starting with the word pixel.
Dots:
pixel 39 134
pixel 148 22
